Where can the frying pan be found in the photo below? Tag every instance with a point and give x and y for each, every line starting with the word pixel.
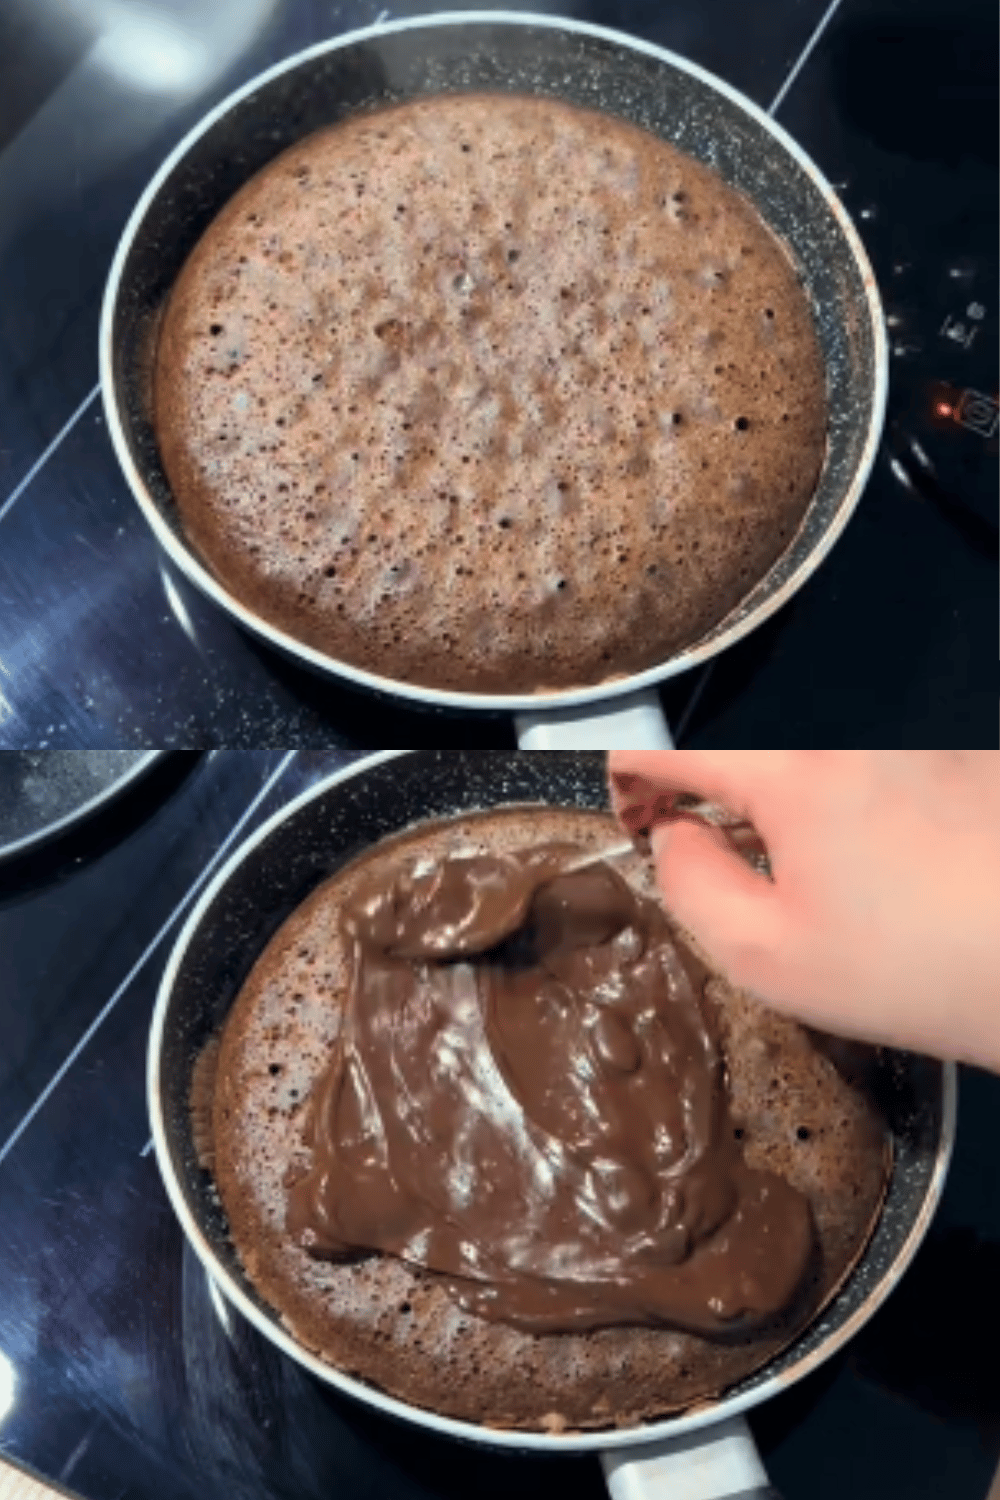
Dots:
pixel 501 51
pixel 44 793
pixel 708 1450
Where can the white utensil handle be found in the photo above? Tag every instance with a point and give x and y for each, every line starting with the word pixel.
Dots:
pixel 720 1462
pixel 632 722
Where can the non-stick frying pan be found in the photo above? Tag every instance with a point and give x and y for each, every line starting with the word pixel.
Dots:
pixel 45 793
pixel 706 1454
pixel 507 52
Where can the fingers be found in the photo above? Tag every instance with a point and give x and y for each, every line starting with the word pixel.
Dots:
pixel 644 783
pixel 734 913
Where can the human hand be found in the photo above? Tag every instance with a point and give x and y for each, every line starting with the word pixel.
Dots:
pixel 883 917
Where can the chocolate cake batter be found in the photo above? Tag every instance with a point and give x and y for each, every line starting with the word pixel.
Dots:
pixel 491 1229
pixel 490 393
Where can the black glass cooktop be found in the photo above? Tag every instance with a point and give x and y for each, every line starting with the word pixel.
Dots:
pixel 122 1378
pixel 891 643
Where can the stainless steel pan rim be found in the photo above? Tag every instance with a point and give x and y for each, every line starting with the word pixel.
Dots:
pixel 741 621
pixel 570 1442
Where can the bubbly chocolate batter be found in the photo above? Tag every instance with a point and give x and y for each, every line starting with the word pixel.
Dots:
pixel 527 1097
pixel 490 393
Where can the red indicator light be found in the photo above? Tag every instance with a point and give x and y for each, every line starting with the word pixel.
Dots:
pixel 943 409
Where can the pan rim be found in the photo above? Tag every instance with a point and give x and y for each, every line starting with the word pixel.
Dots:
pixel 28 843
pixel 183 556
pixel 636 1436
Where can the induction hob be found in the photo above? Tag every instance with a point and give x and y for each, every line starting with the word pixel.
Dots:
pixel 123 1378
pixel 891 643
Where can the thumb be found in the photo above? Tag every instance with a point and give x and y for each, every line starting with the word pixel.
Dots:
pixel 734 913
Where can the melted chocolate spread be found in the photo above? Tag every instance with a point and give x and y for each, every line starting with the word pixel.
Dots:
pixel 527 1097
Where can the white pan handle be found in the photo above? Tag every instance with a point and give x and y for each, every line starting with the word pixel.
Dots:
pixel 633 722
pixel 720 1462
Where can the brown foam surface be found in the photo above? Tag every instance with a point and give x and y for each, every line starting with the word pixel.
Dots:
pixel 397 1328
pixel 491 394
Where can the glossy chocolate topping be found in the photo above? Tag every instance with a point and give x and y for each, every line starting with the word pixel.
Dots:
pixel 527 1097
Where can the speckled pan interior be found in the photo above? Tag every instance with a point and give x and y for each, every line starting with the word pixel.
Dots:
pixel 336 824
pixel 517 57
